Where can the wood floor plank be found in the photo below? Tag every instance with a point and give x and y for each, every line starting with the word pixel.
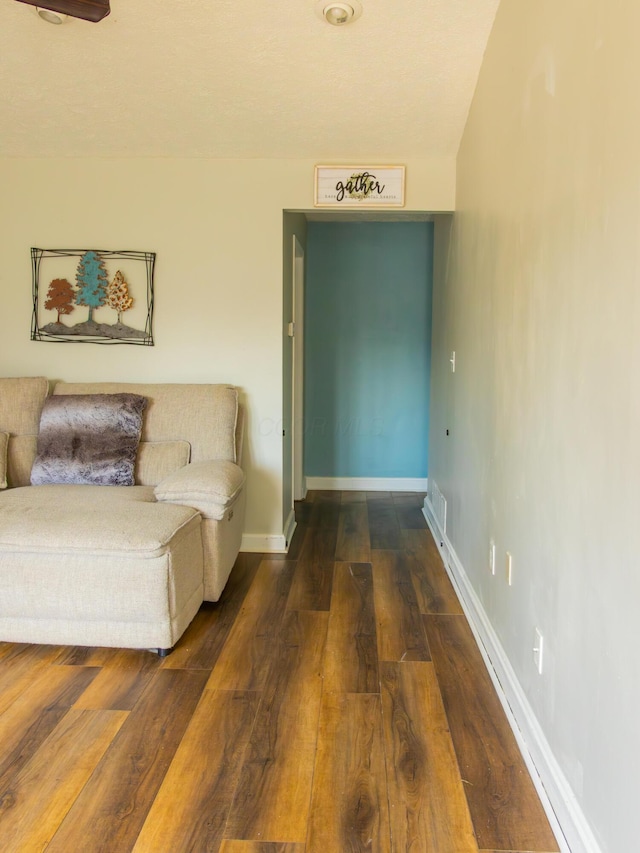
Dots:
pixel 113 805
pixel 6 649
pixel 38 799
pixel 123 676
pixel 303 509
pixel 115 689
pixel 504 806
pixel 408 498
pixel 112 657
pixel 351 497
pixel 201 644
pixel 384 530
pixel 400 630
pixel 243 663
pixel 273 793
pixel 311 586
pixel 351 653
pixel 297 540
pixel 349 807
pixel 353 533
pixel 427 803
pixel 261 847
pixel 409 513
pixel 14 652
pixel 409 517
pixel 326 509
pixel 433 588
pixel 202 776
pixel 20 667
pixel 31 718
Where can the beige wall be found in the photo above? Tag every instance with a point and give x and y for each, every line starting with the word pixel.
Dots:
pixel 541 301
pixel 217 228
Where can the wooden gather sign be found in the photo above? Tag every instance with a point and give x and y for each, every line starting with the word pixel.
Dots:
pixel 359 186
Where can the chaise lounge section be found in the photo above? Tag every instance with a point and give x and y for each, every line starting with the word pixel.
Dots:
pixel 112 565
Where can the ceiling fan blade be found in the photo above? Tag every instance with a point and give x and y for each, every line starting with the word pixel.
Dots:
pixel 88 10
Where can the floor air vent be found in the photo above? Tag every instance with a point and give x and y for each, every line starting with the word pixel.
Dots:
pixel 439 504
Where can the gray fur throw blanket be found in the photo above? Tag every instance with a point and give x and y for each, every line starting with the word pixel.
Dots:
pixel 88 439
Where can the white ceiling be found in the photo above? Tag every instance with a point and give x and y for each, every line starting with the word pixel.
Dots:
pixel 241 79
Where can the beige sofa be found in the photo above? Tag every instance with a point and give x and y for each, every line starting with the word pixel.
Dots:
pixel 125 566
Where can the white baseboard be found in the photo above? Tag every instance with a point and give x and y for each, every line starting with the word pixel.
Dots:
pixel 305 489
pixel 368 484
pixel 289 528
pixel 561 806
pixel 270 543
pixel 263 543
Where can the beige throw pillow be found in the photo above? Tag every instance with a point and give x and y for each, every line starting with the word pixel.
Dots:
pixel 157 459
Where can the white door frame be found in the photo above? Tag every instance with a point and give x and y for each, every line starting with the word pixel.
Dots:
pixel 298 490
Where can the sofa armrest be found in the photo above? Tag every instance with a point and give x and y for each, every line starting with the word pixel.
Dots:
pixel 211 487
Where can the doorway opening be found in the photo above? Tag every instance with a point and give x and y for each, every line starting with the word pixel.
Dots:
pixel 356 386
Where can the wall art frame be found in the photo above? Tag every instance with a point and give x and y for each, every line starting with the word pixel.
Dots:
pixel 106 283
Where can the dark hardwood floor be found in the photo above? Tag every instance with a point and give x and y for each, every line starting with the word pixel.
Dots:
pixel 333 701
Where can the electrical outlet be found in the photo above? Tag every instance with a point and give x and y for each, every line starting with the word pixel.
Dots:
pixel 538 648
pixel 492 556
pixel 509 564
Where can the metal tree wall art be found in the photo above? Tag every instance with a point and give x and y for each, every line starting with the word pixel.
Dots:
pixel 91 280
pixel 94 291
pixel 118 296
pixel 60 297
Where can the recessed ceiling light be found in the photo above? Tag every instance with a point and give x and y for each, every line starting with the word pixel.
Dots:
pixel 338 14
pixel 50 16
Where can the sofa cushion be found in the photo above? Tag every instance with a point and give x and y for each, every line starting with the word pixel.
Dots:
pixel 210 487
pixel 89 520
pixel 20 459
pixel 20 404
pixel 89 439
pixel 4 446
pixel 204 415
pixel 157 459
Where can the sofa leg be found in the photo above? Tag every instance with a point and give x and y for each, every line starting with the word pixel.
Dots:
pixel 162 653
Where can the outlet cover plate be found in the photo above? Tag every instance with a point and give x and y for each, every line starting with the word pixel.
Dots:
pixel 538 650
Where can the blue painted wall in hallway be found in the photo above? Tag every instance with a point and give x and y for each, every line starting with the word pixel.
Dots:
pixel 368 295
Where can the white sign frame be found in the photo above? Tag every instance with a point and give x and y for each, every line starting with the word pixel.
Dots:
pixel 359 186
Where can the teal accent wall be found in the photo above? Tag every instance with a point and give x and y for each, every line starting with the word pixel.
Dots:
pixel 368 291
